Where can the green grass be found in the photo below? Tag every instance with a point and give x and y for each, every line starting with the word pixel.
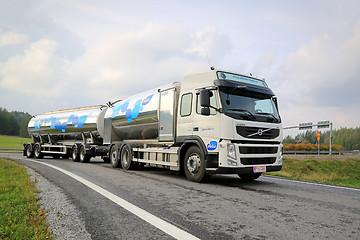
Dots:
pixel 339 172
pixel 13 142
pixel 20 214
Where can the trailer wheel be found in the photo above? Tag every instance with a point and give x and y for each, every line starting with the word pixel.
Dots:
pixel 37 151
pixel 249 176
pixel 29 152
pixel 84 158
pixel 194 165
pixel 126 158
pixel 114 156
pixel 75 153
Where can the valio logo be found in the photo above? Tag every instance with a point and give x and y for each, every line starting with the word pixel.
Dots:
pixel 212 146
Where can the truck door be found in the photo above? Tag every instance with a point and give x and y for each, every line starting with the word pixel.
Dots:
pixel 166 115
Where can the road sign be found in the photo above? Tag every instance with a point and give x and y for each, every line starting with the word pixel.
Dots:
pixel 324 124
pixel 303 126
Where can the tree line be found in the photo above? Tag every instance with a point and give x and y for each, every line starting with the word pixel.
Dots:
pixel 348 138
pixel 14 123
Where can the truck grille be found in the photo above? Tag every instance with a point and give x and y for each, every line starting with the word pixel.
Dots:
pixel 258 150
pixel 257 161
pixel 257 133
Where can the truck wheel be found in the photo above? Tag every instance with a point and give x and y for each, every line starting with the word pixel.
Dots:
pixel 84 158
pixel 249 176
pixel 194 165
pixel 114 156
pixel 29 152
pixel 37 151
pixel 126 158
pixel 75 153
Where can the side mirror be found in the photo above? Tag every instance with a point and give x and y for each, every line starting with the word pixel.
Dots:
pixel 205 111
pixel 205 98
pixel 276 102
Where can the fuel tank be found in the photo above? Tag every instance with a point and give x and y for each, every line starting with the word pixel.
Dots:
pixel 69 122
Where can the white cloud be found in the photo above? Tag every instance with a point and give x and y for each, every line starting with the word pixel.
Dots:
pixel 37 72
pixel 321 80
pixel 121 65
pixel 10 38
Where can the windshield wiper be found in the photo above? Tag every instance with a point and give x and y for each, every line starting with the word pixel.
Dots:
pixel 270 114
pixel 242 110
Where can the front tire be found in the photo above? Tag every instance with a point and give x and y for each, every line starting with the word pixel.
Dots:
pixel 194 165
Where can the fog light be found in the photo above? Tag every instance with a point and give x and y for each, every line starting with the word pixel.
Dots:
pixel 232 162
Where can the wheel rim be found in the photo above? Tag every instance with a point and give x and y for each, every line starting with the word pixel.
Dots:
pixel 36 151
pixel 28 151
pixel 74 153
pixel 125 157
pixel 82 154
pixel 193 163
pixel 113 155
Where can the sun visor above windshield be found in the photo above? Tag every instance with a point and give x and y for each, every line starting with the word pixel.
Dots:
pixel 243 86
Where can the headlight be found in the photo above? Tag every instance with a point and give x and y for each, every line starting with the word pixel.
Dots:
pixel 281 149
pixel 231 150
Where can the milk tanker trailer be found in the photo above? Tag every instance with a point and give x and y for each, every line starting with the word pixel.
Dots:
pixel 212 122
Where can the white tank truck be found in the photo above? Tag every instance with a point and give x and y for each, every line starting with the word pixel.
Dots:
pixel 212 122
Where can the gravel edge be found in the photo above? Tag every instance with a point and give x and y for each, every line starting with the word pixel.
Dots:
pixel 63 217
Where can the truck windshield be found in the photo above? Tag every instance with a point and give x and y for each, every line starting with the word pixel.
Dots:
pixel 248 105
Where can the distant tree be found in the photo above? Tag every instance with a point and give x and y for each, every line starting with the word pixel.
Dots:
pixel 13 123
pixel 289 140
pixel 347 138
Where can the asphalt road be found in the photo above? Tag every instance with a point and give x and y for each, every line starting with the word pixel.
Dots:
pixel 223 208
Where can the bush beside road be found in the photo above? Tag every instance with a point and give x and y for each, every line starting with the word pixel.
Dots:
pixel 341 170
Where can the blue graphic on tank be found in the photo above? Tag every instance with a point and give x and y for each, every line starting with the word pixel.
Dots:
pixel 131 114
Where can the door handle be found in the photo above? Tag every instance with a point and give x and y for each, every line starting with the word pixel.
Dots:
pixel 195 129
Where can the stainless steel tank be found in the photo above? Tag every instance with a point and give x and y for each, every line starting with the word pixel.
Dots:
pixel 69 122
pixel 135 117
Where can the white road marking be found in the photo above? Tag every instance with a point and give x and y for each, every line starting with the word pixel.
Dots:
pixel 311 183
pixel 164 226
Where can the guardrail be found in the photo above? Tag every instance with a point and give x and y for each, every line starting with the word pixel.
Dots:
pixel 354 152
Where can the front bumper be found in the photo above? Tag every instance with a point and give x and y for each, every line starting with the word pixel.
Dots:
pixel 241 170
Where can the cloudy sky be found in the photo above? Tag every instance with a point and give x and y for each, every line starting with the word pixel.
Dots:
pixel 58 54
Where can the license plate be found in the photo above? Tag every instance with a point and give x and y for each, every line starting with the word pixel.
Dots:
pixel 259 169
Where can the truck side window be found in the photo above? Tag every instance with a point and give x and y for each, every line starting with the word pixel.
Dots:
pixel 212 103
pixel 186 102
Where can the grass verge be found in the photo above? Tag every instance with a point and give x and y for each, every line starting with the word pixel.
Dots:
pixel 339 172
pixel 20 213
pixel 13 142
